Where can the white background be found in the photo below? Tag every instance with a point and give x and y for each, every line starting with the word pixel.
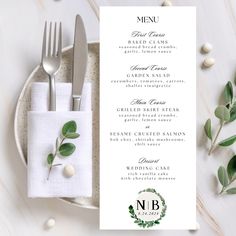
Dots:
pixel 21 27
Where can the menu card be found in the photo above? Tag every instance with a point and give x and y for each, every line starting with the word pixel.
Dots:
pixel 147 118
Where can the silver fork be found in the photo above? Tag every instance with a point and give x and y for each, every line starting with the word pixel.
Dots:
pixel 51 59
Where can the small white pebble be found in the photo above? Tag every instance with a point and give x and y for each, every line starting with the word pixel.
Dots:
pixel 167 3
pixel 206 47
pixel 197 226
pixel 50 223
pixel 69 171
pixel 209 62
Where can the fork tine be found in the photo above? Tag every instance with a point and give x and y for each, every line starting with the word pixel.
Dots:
pixel 44 48
pixel 59 41
pixel 50 39
pixel 55 40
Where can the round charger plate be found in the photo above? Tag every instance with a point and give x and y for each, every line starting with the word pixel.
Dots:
pixel 64 75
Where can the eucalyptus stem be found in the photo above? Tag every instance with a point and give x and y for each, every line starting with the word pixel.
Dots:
pixel 213 144
pixel 222 190
pixel 54 155
pixel 51 166
pixel 49 171
pixel 225 187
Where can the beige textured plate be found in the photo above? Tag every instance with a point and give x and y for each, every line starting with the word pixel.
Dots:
pixel 64 75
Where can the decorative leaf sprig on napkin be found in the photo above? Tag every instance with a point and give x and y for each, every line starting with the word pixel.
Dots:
pixel 225 113
pixel 63 149
pixel 228 176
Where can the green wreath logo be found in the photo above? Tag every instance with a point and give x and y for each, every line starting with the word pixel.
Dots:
pixel 146 218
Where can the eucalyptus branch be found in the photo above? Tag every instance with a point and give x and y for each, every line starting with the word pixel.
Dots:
pixel 213 143
pixel 226 114
pixel 51 157
pixel 227 177
pixel 63 149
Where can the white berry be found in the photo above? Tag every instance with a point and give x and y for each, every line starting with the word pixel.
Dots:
pixel 167 3
pixel 206 47
pixel 69 171
pixel 50 223
pixel 209 62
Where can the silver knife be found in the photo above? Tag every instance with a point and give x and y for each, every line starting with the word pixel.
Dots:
pixel 80 57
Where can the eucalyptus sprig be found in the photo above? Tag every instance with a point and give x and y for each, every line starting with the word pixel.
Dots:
pixel 225 113
pixel 63 149
pixel 227 177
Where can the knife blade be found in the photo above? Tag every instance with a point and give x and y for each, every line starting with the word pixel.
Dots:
pixel 80 57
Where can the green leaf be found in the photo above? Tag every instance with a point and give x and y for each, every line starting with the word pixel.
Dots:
pixel 222 113
pixel 231 168
pixel 66 149
pixel 69 127
pixel 50 158
pixel 228 92
pixel 233 113
pixel 207 128
pixel 222 176
pixel 231 191
pixel 229 141
pixel 72 135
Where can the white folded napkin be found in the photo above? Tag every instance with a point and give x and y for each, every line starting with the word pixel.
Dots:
pixel 39 97
pixel 43 129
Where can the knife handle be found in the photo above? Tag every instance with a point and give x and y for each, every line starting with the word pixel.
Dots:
pixel 76 103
